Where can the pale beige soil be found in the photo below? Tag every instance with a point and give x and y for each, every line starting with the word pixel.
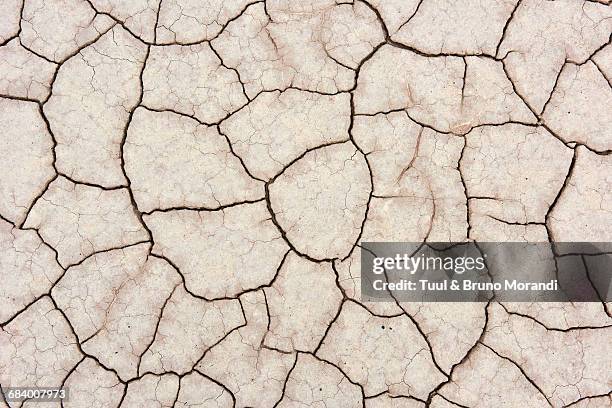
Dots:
pixel 184 186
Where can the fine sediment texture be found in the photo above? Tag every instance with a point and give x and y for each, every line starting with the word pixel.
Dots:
pixel 185 184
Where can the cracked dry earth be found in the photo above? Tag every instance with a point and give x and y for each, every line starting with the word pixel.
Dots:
pixel 185 184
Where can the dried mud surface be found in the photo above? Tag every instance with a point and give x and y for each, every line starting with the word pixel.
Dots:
pixel 185 184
